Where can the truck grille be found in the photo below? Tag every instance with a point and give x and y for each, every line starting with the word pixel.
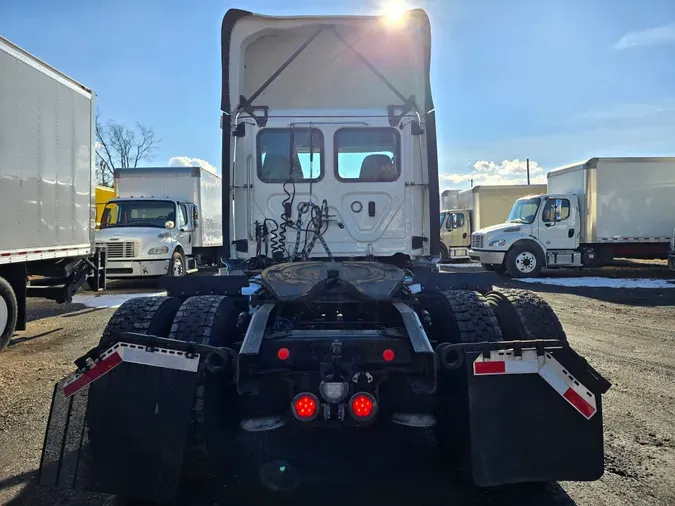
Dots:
pixel 477 241
pixel 122 249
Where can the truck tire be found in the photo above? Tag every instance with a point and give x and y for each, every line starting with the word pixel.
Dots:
pixel 458 316
pixel 143 315
pixel 445 254
pixel 471 316
pixel 207 319
pixel 524 315
pixel 177 264
pixel 524 261
pixel 8 313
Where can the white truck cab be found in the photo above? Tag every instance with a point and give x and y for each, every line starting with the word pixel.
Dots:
pixel 147 237
pixel 165 221
pixel 329 156
pixel 537 224
pixel 455 234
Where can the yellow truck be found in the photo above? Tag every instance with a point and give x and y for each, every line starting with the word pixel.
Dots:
pixel 477 208
pixel 103 195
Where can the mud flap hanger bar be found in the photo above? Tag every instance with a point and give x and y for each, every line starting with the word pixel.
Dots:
pixel 452 356
pixel 246 104
pixel 216 359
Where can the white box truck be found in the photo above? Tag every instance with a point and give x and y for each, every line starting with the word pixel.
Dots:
pixel 46 185
pixel 164 220
pixel 476 208
pixel 592 212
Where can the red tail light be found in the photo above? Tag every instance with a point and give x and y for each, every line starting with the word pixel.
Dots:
pixel 363 406
pixel 388 355
pixel 283 353
pixel 305 407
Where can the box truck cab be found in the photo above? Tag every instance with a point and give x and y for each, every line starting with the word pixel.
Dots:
pixel 455 234
pixel 594 211
pixel 164 221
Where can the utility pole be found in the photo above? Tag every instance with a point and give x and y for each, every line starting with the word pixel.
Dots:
pixel 528 171
pixel 471 182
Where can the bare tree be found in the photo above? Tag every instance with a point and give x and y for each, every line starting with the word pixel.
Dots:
pixel 120 147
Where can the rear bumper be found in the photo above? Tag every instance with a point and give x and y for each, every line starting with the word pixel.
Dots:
pixel 487 257
pixel 120 269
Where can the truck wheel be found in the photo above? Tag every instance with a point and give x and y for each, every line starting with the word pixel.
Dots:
pixel 208 319
pixel 143 315
pixel 471 317
pixel 8 313
pixel 177 265
pixel 524 261
pixel 524 315
pixel 445 254
pixel 458 316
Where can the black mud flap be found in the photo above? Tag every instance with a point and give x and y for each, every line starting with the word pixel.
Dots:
pixel 534 411
pixel 121 426
pixel 536 425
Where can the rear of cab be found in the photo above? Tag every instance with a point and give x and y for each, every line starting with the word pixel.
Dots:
pixel 330 112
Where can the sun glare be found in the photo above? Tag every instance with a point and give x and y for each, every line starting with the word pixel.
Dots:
pixel 393 11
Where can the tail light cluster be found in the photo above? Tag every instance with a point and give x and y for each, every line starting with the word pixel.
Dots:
pixel 362 407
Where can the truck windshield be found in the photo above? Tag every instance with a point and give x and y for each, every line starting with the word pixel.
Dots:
pixel 524 211
pixel 138 213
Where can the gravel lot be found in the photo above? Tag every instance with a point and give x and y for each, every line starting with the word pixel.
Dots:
pixel 627 334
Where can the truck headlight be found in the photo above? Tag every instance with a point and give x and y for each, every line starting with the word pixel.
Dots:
pixel 158 251
pixel 494 244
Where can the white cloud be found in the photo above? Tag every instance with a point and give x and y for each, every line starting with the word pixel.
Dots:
pixel 186 161
pixel 506 172
pixel 650 37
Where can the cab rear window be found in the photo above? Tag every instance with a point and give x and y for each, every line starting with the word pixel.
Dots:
pixel 367 154
pixel 290 154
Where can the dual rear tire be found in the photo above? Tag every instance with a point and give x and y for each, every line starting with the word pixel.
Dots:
pixel 461 316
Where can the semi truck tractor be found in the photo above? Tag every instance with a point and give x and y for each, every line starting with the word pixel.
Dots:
pixel 163 221
pixel 476 208
pixel 329 321
pixel 46 186
pixel 592 212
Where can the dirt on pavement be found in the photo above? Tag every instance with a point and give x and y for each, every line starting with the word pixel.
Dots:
pixel 627 335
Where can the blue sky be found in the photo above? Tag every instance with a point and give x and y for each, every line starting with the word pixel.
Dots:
pixel 553 80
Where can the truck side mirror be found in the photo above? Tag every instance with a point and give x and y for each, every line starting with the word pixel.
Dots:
pixel 170 225
pixel 195 217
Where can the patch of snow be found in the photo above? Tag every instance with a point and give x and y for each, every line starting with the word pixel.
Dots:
pixel 599 282
pixel 111 300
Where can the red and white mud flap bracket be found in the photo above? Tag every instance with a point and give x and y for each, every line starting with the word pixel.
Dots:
pixel 506 362
pixel 120 423
pixel 534 411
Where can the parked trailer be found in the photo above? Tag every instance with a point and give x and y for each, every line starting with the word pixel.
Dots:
pixel 348 331
pixel 183 202
pixel 46 186
pixel 478 207
pixel 593 211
